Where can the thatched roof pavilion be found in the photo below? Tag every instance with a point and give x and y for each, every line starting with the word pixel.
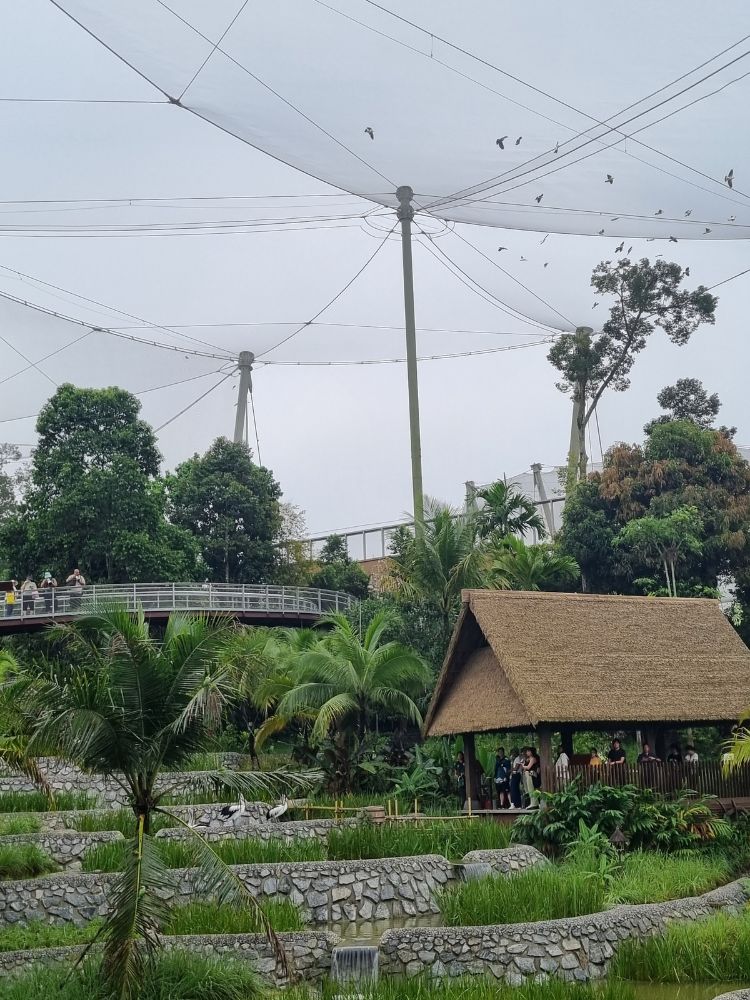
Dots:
pixel 560 662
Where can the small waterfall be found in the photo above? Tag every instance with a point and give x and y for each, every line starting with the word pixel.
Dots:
pixel 473 870
pixel 354 964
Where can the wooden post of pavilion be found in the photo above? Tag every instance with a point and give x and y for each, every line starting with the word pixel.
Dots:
pixel 545 756
pixel 470 769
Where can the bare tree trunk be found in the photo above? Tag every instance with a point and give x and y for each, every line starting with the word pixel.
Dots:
pixel 666 574
pixel 674 580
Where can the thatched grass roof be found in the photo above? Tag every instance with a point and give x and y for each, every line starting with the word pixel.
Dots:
pixel 518 660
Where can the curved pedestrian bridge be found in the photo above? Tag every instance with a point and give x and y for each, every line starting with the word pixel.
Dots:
pixel 255 604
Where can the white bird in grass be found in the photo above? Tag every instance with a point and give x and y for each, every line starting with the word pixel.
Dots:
pixel 202 822
pixel 276 812
pixel 233 811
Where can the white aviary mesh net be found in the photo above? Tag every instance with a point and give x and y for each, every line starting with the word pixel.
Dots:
pixel 620 121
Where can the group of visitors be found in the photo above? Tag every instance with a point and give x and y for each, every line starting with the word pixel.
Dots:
pixel 616 757
pixel 514 783
pixel 29 592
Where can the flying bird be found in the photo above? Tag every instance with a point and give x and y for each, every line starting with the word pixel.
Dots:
pixel 659 254
pixel 729 178
pixel 687 272
pixel 620 248
pixel 688 213
pixel 650 239
pixel 614 218
pixel 660 212
pixel 706 231
pixel 501 248
pixel 601 232
pixel 500 142
pixel 595 305
pixel 544 240
pixel 370 132
pixel 524 258
pixel 538 198
pixel 731 218
pixel 672 239
pixel 609 179
pixel 546 263
pixel 518 140
pixel 630 250
pixel 276 812
pixel 557 147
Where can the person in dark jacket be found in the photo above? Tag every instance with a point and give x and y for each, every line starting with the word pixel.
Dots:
pixel 502 779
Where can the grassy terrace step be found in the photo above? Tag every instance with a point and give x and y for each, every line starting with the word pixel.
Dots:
pixel 33 802
pixel 714 950
pixel 195 918
pixel 19 861
pixel 572 890
pixel 175 977
pixel 181 853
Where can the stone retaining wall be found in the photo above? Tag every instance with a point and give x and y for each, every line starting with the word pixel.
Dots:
pixel 326 890
pixel 509 860
pixel 308 953
pixel 65 848
pixel 304 829
pixel 65 777
pixel 576 948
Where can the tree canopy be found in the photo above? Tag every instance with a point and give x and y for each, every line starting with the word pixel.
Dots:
pixel 678 465
pixel 336 570
pixel 231 505
pixel 647 297
pixel 94 499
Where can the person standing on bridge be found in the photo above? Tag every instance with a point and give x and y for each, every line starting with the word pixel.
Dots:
pixel 10 598
pixel 76 582
pixel 47 588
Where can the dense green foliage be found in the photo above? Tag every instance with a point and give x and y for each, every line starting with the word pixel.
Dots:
pixel 179 976
pixel 449 839
pixel 648 821
pixel 231 505
pixel 24 861
pixel 40 934
pixel 13 825
pixel 679 465
pixel 336 571
pixel 94 498
pixel 712 950
pixel 582 884
pixel 114 819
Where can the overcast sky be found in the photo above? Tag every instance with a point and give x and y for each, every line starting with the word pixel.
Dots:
pixel 335 437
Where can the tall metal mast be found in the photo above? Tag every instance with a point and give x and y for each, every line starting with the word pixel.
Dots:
pixel 245 369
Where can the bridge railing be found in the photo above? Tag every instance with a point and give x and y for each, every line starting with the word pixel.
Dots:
pixel 259 598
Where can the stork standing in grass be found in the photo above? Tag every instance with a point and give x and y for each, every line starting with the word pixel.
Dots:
pixel 274 814
pixel 234 811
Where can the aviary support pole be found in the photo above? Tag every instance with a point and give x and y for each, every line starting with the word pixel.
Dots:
pixel 549 516
pixel 405 214
pixel 545 754
pixel 245 368
pixel 470 771
pixel 577 458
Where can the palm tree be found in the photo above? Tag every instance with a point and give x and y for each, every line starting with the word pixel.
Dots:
pixel 122 705
pixel 344 680
pixel 507 511
pixel 512 565
pixel 441 562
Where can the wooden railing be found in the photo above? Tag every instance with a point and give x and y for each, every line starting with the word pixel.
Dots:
pixel 704 778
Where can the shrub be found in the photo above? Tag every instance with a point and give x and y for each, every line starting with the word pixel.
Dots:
pixel 24 861
pixel 451 839
pixel 649 821
pixel 178 976
pixel 713 950
pixel 14 825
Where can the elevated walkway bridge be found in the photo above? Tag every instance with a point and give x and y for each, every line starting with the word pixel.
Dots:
pixel 252 604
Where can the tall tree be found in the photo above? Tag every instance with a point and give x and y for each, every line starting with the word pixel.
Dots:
pixel 121 705
pixel 231 505
pixel 687 399
pixel 678 465
pixel 507 511
pixel 647 297
pixel 94 499
pixel 667 539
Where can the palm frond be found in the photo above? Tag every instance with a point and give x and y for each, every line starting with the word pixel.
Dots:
pixel 138 912
pixel 397 702
pixel 250 783
pixel 332 711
